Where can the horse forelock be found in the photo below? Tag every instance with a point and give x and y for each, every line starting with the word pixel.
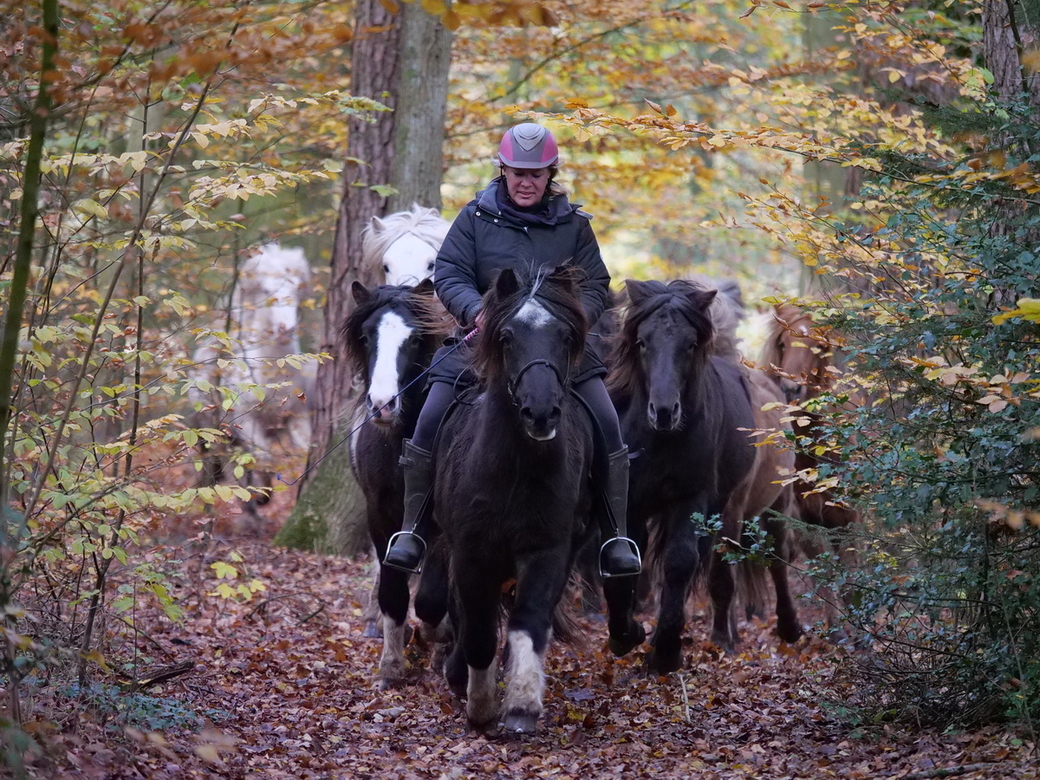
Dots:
pixel 786 317
pixel 425 224
pixel 625 374
pixel 541 298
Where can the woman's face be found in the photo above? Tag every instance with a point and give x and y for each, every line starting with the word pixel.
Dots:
pixel 526 187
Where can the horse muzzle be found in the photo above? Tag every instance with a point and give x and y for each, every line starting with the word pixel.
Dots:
pixel 540 427
pixel 664 416
pixel 384 413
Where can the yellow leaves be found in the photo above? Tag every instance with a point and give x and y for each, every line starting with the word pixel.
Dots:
pixel 1027 308
pixel 86 208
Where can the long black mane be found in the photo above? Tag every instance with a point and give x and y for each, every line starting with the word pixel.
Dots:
pixel 648 297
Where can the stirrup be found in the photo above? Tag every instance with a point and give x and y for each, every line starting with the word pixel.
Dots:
pixel 635 549
pixel 417 569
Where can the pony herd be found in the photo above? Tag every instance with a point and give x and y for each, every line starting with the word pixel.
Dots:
pixel 710 451
pixel 708 436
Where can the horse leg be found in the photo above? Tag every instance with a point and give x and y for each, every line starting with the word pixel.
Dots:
pixel 540 583
pixel 373 629
pixel 786 613
pixel 393 604
pixel 678 565
pixel 478 594
pixel 431 605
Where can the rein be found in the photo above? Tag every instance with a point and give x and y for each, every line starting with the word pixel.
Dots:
pixel 402 391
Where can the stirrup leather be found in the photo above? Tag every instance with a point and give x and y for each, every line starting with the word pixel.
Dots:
pixel 422 555
pixel 635 549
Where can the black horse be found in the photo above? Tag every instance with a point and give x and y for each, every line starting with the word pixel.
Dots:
pixel 391 337
pixel 512 491
pixel 682 409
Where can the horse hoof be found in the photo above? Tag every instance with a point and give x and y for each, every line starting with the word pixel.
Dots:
pixel 372 630
pixel 790 633
pixel 519 723
pixel 723 642
pixel 664 663
pixel 626 643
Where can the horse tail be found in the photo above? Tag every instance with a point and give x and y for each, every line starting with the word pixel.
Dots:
pixel 752 584
pixel 565 628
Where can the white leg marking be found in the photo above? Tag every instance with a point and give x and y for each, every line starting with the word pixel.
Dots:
pixel 392 664
pixel 393 332
pixel 481 695
pixel 525 679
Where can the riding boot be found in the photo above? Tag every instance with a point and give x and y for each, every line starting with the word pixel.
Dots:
pixel 408 547
pixel 619 555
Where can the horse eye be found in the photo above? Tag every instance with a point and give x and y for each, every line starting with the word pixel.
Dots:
pixel 429 267
pixel 386 268
pixel 640 343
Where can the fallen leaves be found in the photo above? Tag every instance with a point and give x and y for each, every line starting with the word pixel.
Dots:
pixel 292 699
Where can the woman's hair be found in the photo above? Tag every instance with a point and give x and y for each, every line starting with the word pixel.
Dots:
pixel 553 187
pixel 553 169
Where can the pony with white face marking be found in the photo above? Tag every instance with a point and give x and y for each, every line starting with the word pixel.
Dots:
pixel 512 493
pixel 241 381
pixel 391 337
pixel 404 244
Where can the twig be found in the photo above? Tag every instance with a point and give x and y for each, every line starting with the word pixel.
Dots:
pixel 161 676
pixel 685 698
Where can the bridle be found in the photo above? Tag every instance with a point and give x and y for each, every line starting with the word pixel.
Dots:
pixel 512 384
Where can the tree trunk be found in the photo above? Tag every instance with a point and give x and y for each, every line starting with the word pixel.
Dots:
pixel 401 60
pixel 1007 32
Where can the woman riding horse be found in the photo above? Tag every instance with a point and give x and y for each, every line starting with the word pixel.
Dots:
pixel 522 221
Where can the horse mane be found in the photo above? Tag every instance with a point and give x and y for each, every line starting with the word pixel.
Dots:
pixel 557 290
pixel 624 376
pixel 428 313
pixel 727 312
pixel 785 316
pixel 379 233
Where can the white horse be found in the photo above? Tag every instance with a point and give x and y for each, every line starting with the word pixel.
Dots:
pixel 243 383
pixel 404 244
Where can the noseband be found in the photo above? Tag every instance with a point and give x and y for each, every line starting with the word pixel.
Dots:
pixel 512 384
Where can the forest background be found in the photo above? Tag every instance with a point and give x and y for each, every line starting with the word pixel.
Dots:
pixel 874 160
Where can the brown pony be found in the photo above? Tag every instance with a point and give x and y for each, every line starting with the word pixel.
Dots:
pixel 801 357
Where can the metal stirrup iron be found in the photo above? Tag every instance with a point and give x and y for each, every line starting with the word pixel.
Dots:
pixel 422 556
pixel 623 540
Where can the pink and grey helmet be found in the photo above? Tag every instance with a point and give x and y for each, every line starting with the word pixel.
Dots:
pixel 528 146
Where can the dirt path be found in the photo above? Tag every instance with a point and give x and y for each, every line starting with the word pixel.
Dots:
pixel 285 680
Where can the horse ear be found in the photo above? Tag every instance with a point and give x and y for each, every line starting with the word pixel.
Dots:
pixel 506 283
pixel 702 298
pixel 425 287
pixel 360 292
pixel 637 291
pixel 378 225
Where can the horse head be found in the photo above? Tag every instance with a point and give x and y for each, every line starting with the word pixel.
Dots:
pixel 390 336
pixel 798 354
pixel 267 296
pixel 666 337
pixel 533 337
pixel 404 244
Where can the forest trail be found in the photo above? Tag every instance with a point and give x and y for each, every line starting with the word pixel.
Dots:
pixel 285 683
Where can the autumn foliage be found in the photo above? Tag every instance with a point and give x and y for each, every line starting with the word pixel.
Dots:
pixel 859 158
